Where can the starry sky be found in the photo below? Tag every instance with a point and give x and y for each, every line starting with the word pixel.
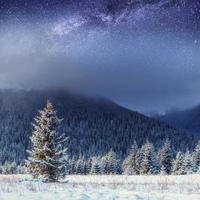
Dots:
pixel 142 54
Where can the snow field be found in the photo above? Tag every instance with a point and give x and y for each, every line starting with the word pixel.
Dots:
pixel 104 187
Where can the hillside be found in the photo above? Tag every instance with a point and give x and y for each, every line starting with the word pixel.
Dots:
pixel 94 125
pixel 187 119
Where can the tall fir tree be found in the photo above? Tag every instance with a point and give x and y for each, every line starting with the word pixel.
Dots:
pixel 139 160
pixel 165 157
pixel 178 167
pixel 130 166
pixel 46 160
pixel 95 169
pixel 197 155
pixel 188 164
pixel 148 162
pixel 110 164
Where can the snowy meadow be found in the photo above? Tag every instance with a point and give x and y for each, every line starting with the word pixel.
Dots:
pixel 105 187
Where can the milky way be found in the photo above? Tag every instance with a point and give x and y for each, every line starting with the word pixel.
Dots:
pixel 144 56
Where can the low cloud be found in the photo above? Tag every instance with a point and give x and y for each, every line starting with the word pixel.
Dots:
pixel 145 71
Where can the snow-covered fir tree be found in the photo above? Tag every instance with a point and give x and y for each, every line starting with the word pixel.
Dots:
pixel 47 158
pixel 163 171
pixel 110 164
pixel 87 166
pixel 95 169
pixel 138 160
pixel 72 165
pixel 197 155
pixel 82 166
pixel 130 165
pixel 148 161
pixel 188 164
pixel 79 166
pixel 178 167
pixel 165 157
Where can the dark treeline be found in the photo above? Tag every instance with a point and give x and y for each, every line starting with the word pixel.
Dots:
pixel 140 161
pixel 94 126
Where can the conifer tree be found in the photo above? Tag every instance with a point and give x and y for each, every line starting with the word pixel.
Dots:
pixel 178 167
pixel 109 163
pixel 197 155
pixel 85 169
pixel 105 165
pixel 188 163
pixel 47 158
pixel 165 157
pixel 72 166
pixel 67 165
pixel 95 169
pixel 138 160
pixel 79 166
pixel 148 165
pixel 130 166
pixel 163 171
pixel 88 166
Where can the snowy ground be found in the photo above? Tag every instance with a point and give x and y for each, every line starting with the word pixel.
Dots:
pixel 103 188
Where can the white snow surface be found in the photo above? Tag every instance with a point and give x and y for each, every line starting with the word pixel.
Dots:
pixel 18 187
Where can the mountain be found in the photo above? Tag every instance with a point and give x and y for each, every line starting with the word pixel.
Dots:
pixel 94 125
pixel 188 120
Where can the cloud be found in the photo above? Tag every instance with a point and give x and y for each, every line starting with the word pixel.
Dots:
pixel 145 71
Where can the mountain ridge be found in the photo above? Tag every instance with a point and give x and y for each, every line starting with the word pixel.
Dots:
pixel 188 119
pixel 93 126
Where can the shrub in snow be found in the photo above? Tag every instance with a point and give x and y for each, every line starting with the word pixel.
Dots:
pixel 198 171
pixel 163 171
pixel 9 168
pixel 21 169
pixel 47 158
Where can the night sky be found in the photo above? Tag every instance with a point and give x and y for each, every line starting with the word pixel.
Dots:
pixel 144 55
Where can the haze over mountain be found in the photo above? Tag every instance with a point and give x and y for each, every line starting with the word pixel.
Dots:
pixel 141 54
pixel 188 119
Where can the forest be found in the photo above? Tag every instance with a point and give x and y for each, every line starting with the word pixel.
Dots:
pixel 139 159
pixel 94 125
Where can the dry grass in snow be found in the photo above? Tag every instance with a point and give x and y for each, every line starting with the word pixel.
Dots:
pixel 102 188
